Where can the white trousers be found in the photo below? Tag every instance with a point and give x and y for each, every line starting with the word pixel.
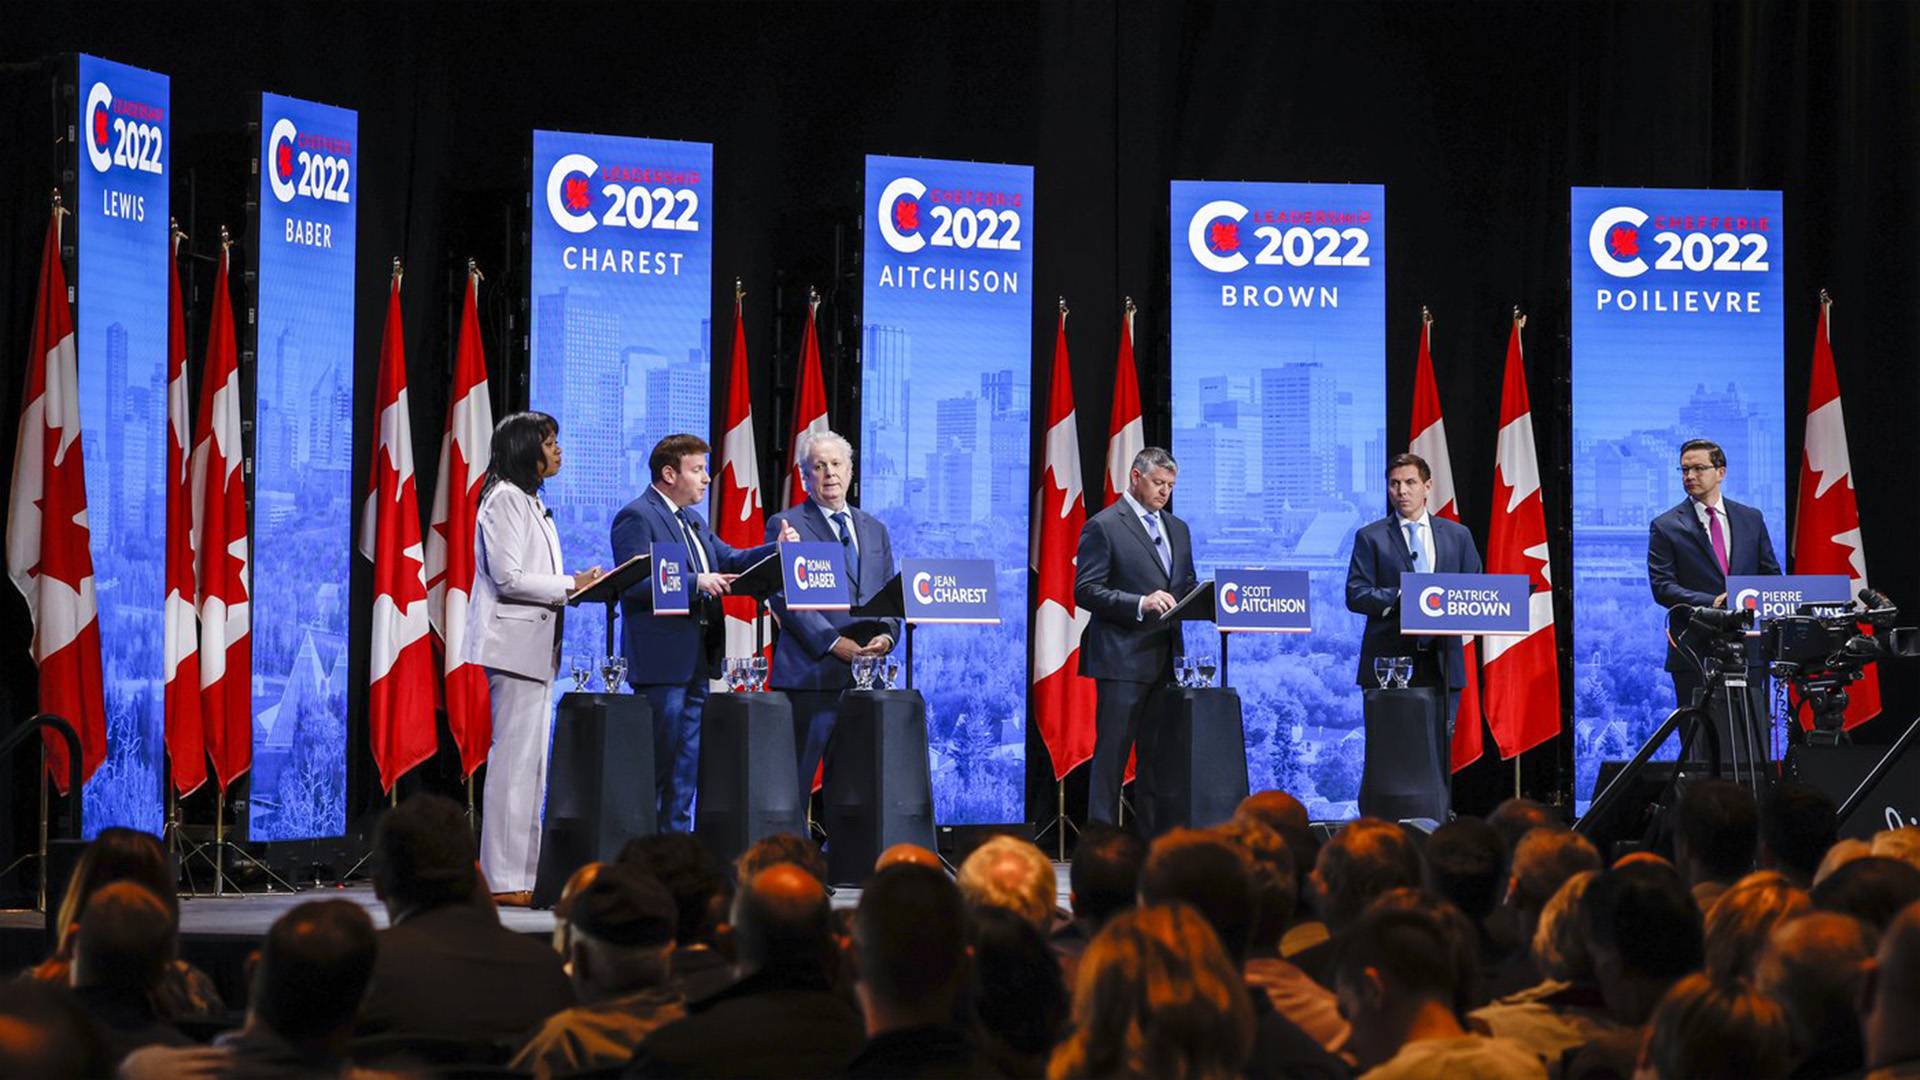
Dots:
pixel 516 789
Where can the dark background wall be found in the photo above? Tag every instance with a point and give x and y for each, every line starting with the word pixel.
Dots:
pixel 1477 117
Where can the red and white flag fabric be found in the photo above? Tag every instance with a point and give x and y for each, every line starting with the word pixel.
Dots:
pixel 1429 441
pixel 742 522
pixel 1826 528
pixel 222 548
pixel 400 667
pixel 1126 432
pixel 48 554
pixel 809 411
pixel 1520 681
pixel 1063 699
pixel 465 450
pixel 186 742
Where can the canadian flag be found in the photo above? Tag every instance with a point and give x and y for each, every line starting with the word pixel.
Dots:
pixel 742 521
pixel 400 667
pixel 186 741
pixel 48 552
pixel 1127 434
pixel 1430 443
pixel 221 549
pixel 1520 680
pixel 809 415
pixel 465 449
pixel 1063 699
pixel 1826 527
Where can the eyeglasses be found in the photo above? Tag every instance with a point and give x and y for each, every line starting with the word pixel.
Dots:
pixel 1691 470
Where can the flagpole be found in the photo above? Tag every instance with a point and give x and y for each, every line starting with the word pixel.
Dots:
pixel 43 780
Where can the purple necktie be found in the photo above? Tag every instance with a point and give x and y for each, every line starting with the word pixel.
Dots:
pixel 1719 538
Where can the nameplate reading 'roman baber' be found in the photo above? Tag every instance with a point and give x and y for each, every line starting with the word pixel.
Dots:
pixel 1492 604
pixel 814 574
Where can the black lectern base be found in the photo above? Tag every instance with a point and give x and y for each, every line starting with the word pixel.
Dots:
pixel 747 763
pixel 1405 774
pixel 599 786
pixel 1200 759
pixel 878 789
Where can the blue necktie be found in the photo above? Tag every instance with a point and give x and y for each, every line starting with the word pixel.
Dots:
pixel 843 524
pixel 1160 544
pixel 1414 547
pixel 696 553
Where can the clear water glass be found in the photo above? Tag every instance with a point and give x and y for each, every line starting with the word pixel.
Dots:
pixel 863 671
pixel 758 668
pixel 1383 670
pixel 889 669
pixel 1204 668
pixel 1402 671
pixel 582 675
pixel 734 671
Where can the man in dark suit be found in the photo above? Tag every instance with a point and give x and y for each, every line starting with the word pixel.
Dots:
pixel 1135 562
pixel 813 659
pixel 1691 551
pixel 445 968
pixel 1409 540
pixel 671 657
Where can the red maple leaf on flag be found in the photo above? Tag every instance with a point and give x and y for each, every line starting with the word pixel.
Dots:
pixel 1624 241
pixel 906 215
pixel 284 161
pixel 1224 236
pixel 577 195
pixel 100 127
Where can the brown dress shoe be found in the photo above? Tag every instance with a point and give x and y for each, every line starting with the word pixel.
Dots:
pixel 523 898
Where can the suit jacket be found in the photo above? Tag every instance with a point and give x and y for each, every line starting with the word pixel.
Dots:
pixel 669 650
pixel 519 588
pixel 1680 563
pixel 1380 556
pixel 1116 566
pixel 454 972
pixel 801 656
pixel 771 1023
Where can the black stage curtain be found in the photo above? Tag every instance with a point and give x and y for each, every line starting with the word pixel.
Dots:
pixel 1477 117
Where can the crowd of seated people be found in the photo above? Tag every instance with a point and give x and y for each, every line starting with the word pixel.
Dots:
pixel 1509 948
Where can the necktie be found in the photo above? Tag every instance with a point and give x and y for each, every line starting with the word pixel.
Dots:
pixel 1414 547
pixel 1719 536
pixel 696 553
pixel 1160 544
pixel 843 524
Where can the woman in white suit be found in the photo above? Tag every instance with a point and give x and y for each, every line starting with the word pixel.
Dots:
pixel 513 630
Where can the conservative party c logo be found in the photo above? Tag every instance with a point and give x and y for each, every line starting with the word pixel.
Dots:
pixel 124 133
pixel 1430 600
pixel 923 587
pixel 1614 242
pixel 1747 600
pixel 1230 598
pixel 984 220
pixel 1213 235
pixel 800 571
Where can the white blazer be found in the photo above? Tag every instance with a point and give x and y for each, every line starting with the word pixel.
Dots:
pixel 519 589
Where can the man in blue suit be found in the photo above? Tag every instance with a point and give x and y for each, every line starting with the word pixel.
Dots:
pixel 1409 540
pixel 671 657
pixel 1134 564
pixel 1691 551
pixel 813 658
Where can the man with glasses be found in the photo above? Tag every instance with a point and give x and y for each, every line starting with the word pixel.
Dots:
pixel 1691 551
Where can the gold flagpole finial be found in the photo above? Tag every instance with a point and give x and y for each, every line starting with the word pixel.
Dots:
pixel 174 230
pixel 473 269
pixel 739 290
pixel 813 297
pixel 226 239
pixel 1825 300
pixel 1426 316
pixel 58 208
pixel 1128 306
pixel 397 270
pixel 1519 317
pixel 1063 307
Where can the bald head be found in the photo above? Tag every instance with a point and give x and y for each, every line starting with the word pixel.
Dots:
pixel 781 918
pixel 910 855
pixel 1274 809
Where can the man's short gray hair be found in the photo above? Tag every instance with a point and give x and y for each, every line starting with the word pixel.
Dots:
pixel 1153 458
pixel 811 439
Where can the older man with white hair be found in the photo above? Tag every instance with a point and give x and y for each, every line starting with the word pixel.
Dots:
pixel 813 660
